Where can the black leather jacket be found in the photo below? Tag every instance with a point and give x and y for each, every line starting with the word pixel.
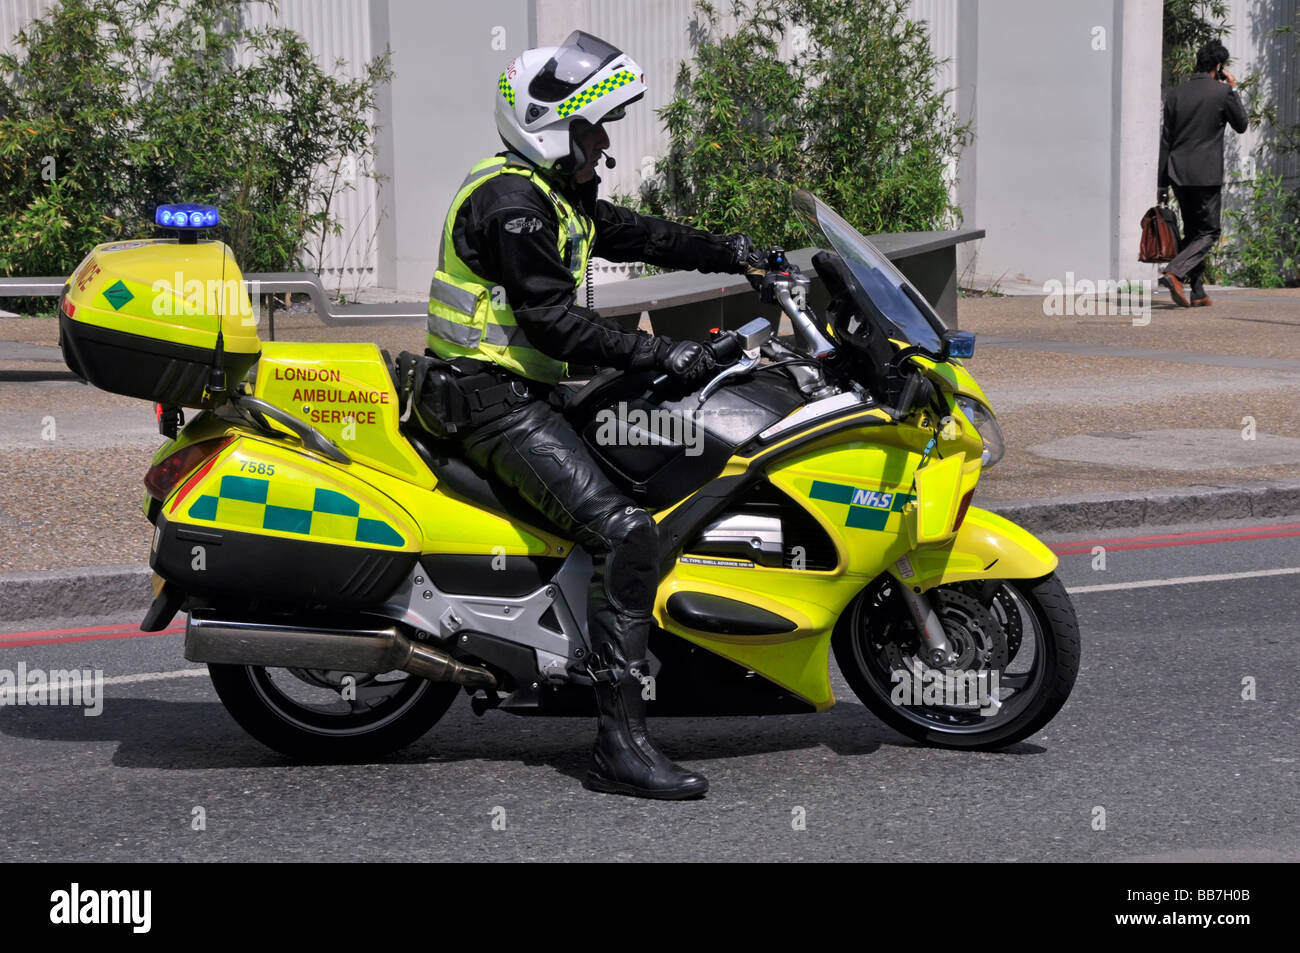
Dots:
pixel 507 233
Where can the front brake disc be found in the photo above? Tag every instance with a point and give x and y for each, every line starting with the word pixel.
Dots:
pixel 978 637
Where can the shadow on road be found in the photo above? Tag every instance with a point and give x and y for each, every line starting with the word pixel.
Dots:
pixel 188 736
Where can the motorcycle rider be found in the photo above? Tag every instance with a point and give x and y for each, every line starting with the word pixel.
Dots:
pixel 503 310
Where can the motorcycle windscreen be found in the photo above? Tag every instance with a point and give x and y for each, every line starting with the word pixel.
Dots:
pixel 908 315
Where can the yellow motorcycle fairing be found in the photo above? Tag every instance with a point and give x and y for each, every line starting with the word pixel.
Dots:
pixel 883 512
pixel 987 546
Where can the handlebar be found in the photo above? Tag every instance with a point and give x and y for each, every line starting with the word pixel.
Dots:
pixel 725 346
pixel 733 351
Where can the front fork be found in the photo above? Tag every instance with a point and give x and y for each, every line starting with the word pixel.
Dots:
pixel 939 654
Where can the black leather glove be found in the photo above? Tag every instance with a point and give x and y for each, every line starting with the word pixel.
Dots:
pixel 687 363
pixel 745 254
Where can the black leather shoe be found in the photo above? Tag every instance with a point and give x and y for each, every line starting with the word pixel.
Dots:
pixel 624 760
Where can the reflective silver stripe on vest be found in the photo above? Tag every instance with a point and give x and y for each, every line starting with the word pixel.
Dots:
pixel 505 336
pixel 465 336
pixel 480 174
pixel 458 299
pixel 461 335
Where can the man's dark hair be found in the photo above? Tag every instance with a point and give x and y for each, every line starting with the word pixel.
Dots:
pixel 1211 56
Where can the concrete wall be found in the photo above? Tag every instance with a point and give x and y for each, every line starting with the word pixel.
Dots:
pixel 1136 120
pixel 1045 95
pixel 438 116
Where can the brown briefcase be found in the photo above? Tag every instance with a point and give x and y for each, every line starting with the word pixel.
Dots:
pixel 1159 234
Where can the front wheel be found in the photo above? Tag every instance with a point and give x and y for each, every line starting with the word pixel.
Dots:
pixel 320 715
pixel 1017 646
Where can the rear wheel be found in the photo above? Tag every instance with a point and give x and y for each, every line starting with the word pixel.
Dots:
pixel 317 715
pixel 1017 645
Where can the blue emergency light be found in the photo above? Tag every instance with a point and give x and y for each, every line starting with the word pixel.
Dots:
pixel 959 343
pixel 186 215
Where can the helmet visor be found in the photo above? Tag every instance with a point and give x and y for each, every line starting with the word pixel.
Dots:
pixel 578 59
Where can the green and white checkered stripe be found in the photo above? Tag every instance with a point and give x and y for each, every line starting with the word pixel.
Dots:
pixel 592 93
pixel 507 90
pixel 299 508
pixel 868 509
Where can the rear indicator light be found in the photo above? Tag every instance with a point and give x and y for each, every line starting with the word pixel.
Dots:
pixel 163 478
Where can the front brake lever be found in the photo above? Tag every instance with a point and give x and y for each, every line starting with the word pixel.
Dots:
pixel 747 362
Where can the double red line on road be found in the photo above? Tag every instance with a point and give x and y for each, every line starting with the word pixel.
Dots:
pixel 1200 538
pixel 90 633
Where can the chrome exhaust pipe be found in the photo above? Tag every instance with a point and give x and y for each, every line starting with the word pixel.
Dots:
pixel 229 641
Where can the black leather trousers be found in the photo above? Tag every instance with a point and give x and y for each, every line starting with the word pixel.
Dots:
pixel 534 450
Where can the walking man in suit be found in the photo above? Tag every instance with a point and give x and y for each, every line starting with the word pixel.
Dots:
pixel 1191 160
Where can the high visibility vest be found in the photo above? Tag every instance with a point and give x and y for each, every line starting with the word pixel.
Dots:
pixel 469 316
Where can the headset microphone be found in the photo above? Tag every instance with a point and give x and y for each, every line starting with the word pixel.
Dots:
pixel 609 162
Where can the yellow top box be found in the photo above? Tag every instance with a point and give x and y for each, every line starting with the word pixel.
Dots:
pixel 140 318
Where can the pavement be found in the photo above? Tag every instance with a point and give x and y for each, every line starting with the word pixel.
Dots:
pixel 1110 420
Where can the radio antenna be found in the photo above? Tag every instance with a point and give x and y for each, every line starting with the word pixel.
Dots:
pixel 217 379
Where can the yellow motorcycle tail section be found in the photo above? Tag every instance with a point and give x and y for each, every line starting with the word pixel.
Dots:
pixel 265 496
pixel 346 392
pixel 263 520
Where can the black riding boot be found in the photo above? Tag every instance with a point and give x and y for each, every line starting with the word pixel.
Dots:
pixel 624 760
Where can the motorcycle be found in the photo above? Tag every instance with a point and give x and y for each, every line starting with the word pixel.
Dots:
pixel 346 576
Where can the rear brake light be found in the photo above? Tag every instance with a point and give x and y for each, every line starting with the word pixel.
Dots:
pixel 162 478
pixel 961 510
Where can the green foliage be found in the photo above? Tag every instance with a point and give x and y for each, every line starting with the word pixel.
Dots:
pixel 853 116
pixel 1262 249
pixel 111 107
pixel 1188 24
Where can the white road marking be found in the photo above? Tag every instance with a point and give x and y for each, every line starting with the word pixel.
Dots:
pixel 1182 580
pixel 133 679
pixel 155 676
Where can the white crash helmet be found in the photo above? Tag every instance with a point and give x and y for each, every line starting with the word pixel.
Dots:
pixel 546 91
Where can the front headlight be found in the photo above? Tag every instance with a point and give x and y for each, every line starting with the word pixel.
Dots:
pixel 987 425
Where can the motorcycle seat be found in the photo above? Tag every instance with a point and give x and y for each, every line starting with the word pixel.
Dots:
pixel 465 481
